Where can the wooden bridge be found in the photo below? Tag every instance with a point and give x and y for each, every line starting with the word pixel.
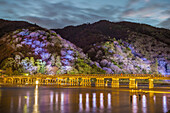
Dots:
pixel 83 79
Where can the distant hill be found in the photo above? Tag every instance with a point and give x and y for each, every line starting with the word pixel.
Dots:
pixel 7 26
pixel 101 47
pixel 147 42
pixel 86 34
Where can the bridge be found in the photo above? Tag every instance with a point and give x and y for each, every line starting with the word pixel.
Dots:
pixel 84 79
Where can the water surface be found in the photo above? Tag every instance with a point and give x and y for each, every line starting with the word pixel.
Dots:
pixel 77 100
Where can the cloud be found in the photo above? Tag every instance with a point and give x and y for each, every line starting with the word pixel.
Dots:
pixel 48 22
pixel 141 11
pixel 166 12
pixel 165 24
pixel 150 11
pixel 132 2
pixel 58 15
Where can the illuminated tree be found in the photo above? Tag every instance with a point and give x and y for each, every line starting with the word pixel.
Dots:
pixel 58 61
pixel 42 68
pixel 32 61
pixel 9 71
pixel 17 58
pixel 52 60
pixel 38 64
pixel 15 72
pixel 9 62
pixel 154 67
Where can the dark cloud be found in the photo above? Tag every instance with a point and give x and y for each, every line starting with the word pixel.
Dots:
pixel 165 24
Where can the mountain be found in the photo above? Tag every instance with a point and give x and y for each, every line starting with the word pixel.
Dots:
pixel 146 42
pixel 7 26
pixel 102 30
pixel 34 51
pixel 101 47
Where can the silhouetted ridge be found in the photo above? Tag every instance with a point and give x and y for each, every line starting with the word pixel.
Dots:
pixel 7 26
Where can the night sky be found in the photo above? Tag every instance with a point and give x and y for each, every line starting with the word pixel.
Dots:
pixel 61 13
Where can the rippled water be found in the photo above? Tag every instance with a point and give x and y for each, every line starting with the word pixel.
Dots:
pixel 74 100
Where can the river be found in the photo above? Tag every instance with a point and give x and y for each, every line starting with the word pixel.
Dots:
pixel 45 99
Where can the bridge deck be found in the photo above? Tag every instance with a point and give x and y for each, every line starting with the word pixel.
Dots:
pixel 120 76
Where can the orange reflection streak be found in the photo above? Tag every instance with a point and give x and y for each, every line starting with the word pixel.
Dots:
pixel 36 106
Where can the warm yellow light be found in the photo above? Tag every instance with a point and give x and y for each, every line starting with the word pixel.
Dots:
pixel 36 82
pixel 25 97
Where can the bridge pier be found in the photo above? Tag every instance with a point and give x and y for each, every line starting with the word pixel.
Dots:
pixel 151 85
pixel 22 81
pixel 12 80
pixel 77 81
pixel 88 83
pixel 132 83
pixel 97 82
pixel 5 80
pixel 59 80
pixel 28 80
pixel 19 82
pixel 101 81
pixel 46 81
pixel 115 82
pixel 84 82
pixel 72 82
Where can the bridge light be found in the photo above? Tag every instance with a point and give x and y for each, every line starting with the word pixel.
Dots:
pixel 36 82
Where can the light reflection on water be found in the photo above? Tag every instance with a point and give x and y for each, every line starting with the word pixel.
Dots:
pixel 94 100
pixel 36 106
pixel 134 105
pixel 56 100
pixel 165 109
pixel 62 102
pixel 154 98
pixel 109 100
pixel 87 102
pixel 37 100
pixel 144 104
pixel 101 101
pixel 80 103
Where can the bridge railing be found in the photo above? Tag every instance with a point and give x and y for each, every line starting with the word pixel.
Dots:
pixel 94 75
